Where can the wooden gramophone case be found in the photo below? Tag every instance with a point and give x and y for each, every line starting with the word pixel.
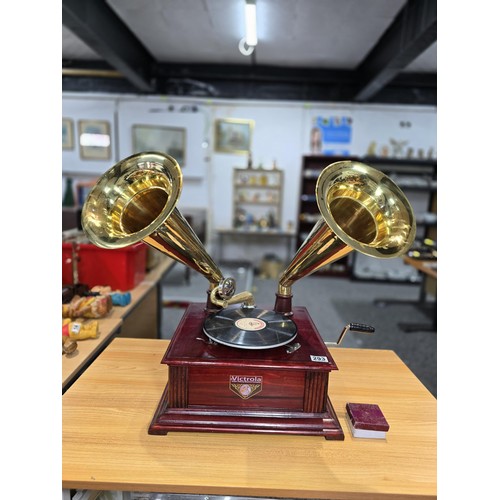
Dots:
pixel 213 387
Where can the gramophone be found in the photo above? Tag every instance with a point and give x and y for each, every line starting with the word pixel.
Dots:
pixel 234 367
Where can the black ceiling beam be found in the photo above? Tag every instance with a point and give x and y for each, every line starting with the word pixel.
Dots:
pixel 257 73
pixel 294 83
pixel 250 82
pixel 96 24
pixel 414 29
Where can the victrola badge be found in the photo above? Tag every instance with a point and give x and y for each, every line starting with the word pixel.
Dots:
pixel 245 387
pixel 227 340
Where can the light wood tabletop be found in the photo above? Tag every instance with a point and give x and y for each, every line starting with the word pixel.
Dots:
pixel 72 364
pixel 106 445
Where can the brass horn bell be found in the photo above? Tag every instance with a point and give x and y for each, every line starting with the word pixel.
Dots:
pixel 361 209
pixel 135 200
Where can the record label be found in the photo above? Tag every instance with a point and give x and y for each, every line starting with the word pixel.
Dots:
pixel 250 324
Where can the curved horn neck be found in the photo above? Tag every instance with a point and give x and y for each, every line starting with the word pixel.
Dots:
pixel 176 239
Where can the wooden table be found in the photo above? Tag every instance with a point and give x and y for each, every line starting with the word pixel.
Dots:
pixel 106 446
pixel 140 318
pixel 75 363
pixel 429 269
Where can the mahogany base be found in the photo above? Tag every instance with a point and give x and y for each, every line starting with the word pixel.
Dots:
pixel 216 388
pixel 264 421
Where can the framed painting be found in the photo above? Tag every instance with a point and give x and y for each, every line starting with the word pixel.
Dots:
pixel 67 134
pixel 233 135
pixel 95 139
pixel 169 140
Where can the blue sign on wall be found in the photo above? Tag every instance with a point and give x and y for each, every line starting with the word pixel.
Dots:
pixel 335 129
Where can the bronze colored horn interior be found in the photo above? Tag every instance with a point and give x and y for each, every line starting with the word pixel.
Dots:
pixel 143 209
pixel 354 219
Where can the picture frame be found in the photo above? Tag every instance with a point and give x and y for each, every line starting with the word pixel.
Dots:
pixel 94 138
pixel 169 140
pixel 68 141
pixel 233 135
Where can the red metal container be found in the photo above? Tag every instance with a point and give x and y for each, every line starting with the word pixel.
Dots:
pixel 121 269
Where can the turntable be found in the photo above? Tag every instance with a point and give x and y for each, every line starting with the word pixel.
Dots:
pixel 234 367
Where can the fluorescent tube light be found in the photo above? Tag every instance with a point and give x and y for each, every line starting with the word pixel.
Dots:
pixel 251 23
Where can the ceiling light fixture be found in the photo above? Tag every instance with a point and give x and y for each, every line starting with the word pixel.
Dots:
pixel 249 41
pixel 251 23
pixel 244 48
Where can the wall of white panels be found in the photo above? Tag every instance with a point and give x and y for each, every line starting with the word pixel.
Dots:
pixel 281 134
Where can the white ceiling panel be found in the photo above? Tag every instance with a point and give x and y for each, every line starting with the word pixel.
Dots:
pixel 303 33
pixel 292 34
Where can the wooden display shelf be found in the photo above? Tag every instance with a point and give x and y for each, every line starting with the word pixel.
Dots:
pixel 140 318
pixel 257 194
pixel 75 363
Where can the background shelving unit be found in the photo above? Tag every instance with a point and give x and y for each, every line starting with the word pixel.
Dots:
pixel 257 197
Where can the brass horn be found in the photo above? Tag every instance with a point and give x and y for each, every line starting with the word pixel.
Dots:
pixel 361 209
pixel 135 200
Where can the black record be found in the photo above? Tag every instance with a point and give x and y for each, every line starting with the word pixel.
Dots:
pixel 247 328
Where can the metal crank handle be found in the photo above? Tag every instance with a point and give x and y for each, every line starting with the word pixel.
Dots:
pixel 355 327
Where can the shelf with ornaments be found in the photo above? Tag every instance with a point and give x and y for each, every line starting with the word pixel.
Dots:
pixel 257 198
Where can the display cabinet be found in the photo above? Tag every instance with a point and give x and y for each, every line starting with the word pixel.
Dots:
pixel 257 197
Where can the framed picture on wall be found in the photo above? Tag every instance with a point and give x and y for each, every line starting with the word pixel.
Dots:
pixel 233 135
pixel 94 139
pixel 67 134
pixel 169 140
